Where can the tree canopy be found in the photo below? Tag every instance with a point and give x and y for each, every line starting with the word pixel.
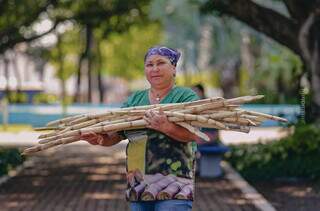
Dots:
pixel 17 18
pixel 299 30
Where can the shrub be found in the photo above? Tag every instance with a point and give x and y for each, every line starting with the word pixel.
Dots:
pixel 294 156
pixel 9 158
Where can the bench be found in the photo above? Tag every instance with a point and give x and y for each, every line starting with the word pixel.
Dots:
pixel 209 162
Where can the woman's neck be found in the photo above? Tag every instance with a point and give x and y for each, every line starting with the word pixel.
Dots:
pixel 159 93
pixel 161 90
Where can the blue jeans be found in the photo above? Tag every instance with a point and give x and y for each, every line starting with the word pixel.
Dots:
pixel 165 205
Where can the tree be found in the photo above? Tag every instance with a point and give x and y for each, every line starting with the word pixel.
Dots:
pixel 124 52
pixel 299 31
pixel 18 20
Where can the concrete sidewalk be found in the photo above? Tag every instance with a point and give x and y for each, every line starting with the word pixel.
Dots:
pixel 85 177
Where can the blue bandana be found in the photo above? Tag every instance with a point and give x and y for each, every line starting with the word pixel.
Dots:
pixel 170 53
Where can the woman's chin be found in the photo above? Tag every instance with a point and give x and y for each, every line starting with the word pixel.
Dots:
pixel 156 81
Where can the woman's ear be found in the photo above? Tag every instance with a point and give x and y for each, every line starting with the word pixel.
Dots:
pixel 174 71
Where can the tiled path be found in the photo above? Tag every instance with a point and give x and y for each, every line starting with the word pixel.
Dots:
pixel 84 177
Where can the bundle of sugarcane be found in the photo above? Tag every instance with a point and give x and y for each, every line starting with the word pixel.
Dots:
pixel 161 187
pixel 220 113
pixel 135 191
pixel 151 191
pixel 185 193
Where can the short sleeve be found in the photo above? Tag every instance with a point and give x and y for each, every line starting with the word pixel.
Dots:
pixel 187 95
pixel 128 102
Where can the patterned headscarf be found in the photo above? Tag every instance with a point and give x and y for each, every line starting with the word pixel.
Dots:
pixel 171 54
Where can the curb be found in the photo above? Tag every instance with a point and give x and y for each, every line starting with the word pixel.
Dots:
pixel 249 192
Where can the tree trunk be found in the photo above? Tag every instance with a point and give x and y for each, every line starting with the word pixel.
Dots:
pixel 309 41
pixel 61 74
pixel 205 46
pixel 84 67
pixel 16 71
pixel 79 75
pixel 101 88
pixel 88 50
pixel 229 78
pixel 315 81
pixel 6 74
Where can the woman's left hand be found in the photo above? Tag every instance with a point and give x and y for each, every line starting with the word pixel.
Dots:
pixel 158 121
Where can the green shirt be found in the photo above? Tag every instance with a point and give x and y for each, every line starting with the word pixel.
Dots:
pixel 150 151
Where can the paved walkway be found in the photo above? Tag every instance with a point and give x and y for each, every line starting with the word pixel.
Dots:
pixel 83 177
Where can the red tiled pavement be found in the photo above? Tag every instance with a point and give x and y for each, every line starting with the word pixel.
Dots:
pixel 84 177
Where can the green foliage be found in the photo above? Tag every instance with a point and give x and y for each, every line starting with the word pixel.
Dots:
pixel 15 128
pixel 277 74
pixel 9 158
pixel 207 78
pixel 244 81
pixel 64 55
pixel 18 18
pixel 43 98
pixel 123 53
pixel 17 97
pixel 294 156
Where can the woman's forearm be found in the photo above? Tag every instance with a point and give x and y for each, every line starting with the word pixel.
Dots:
pixel 180 134
pixel 111 138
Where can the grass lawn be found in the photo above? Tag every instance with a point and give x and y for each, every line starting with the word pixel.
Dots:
pixel 15 128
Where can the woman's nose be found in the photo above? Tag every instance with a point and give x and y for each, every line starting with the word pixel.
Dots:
pixel 155 67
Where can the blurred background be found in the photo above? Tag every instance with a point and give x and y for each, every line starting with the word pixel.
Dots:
pixel 65 57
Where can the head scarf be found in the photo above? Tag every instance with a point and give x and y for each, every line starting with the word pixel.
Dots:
pixel 171 54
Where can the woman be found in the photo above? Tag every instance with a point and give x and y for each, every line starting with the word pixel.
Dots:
pixel 161 157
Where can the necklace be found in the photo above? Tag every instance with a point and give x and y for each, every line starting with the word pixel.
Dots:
pixel 157 96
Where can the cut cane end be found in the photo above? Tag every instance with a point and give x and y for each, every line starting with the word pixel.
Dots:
pixel 259 96
pixel 180 196
pixel 43 141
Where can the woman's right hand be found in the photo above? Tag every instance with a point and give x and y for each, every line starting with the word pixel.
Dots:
pixel 93 138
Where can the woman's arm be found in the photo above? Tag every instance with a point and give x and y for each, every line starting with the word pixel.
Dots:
pixel 108 139
pixel 159 121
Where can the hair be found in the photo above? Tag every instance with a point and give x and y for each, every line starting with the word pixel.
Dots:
pixel 200 87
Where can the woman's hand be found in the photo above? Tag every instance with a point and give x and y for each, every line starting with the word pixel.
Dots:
pixel 93 138
pixel 158 121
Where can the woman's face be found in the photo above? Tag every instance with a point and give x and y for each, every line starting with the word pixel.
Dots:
pixel 159 71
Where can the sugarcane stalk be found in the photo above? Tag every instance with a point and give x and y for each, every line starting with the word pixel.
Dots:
pixel 238 128
pixel 194 130
pixel 170 191
pixel 47 128
pixel 240 121
pixel 42 147
pixel 136 191
pixel 63 120
pixel 185 193
pixel 206 125
pixel 212 113
pixel 151 191
pixel 224 114
pixel 266 116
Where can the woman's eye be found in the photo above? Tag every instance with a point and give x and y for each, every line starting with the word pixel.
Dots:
pixel 149 65
pixel 161 63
